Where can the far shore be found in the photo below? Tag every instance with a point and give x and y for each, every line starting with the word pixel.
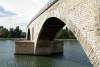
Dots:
pixel 25 38
pixel 65 39
pixel 12 38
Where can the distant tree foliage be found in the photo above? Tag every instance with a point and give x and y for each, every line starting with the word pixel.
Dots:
pixel 65 34
pixel 11 33
pixel 18 33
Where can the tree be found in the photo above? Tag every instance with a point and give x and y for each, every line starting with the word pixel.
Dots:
pixel 65 34
pixel 11 33
pixel 17 32
pixel 3 32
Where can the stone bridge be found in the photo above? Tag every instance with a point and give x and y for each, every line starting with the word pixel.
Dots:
pixel 82 17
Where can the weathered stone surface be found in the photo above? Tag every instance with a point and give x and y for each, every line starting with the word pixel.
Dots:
pixel 46 47
pixel 24 47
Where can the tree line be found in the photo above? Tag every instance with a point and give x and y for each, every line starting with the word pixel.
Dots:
pixel 11 33
pixel 65 34
pixel 18 33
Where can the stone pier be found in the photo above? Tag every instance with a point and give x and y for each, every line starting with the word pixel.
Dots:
pixel 24 47
pixel 49 47
pixel 44 47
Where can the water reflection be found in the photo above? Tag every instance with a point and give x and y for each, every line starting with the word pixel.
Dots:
pixel 74 56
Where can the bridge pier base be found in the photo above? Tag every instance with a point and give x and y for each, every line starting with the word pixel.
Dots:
pixel 45 47
pixel 24 47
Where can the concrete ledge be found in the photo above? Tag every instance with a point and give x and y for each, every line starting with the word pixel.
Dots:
pixel 24 47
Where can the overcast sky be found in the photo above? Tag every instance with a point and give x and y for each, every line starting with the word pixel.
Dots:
pixel 19 12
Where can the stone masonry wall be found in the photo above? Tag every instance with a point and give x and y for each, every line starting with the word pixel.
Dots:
pixel 24 47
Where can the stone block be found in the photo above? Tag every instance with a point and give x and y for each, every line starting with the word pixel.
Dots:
pixel 24 47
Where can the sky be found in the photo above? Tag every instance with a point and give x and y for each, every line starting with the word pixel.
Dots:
pixel 19 12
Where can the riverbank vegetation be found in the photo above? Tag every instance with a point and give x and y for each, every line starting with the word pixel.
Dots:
pixel 65 34
pixel 11 33
pixel 18 33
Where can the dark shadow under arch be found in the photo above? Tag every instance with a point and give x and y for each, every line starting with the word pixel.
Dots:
pixel 50 28
pixel 28 35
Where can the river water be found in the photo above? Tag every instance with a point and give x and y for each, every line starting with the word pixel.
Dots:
pixel 74 56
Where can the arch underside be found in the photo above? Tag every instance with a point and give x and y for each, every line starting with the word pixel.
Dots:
pixel 45 43
pixel 50 28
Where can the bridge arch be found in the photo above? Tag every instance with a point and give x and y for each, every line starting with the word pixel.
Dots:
pixel 46 43
pixel 50 28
